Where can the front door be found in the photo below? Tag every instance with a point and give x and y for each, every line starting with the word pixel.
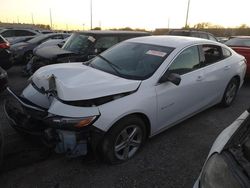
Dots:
pixel 177 102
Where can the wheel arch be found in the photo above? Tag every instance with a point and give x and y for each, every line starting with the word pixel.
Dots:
pixel 140 115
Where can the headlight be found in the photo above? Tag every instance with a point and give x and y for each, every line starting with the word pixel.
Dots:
pixel 219 172
pixel 68 122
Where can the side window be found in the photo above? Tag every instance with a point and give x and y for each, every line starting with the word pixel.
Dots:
pixel 203 35
pixel 226 53
pixel 23 33
pixel 192 34
pixel 104 43
pixel 186 61
pixel 8 33
pixel 212 54
pixel 210 37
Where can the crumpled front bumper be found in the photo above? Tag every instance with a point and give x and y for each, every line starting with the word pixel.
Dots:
pixel 30 119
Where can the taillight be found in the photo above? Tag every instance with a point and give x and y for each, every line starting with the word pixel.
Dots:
pixel 4 45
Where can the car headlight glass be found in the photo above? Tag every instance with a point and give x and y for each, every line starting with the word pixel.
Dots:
pixel 68 122
pixel 217 173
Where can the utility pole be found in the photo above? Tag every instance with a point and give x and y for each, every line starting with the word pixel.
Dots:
pixel 50 18
pixel 186 25
pixel 168 23
pixel 32 18
pixel 90 14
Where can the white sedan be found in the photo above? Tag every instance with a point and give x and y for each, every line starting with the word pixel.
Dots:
pixel 129 93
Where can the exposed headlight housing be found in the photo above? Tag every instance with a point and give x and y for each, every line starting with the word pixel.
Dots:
pixel 220 171
pixel 70 122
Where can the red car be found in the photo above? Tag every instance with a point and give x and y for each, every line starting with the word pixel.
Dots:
pixel 241 44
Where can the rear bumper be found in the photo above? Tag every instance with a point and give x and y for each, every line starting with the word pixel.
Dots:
pixel 29 119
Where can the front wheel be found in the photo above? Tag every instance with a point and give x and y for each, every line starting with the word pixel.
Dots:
pixel 230 92
pixel 124 140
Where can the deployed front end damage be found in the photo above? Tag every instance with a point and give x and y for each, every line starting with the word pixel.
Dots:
pixel 61 106
pixel 57 124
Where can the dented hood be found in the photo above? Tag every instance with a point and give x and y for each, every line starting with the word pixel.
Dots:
pixel 75 81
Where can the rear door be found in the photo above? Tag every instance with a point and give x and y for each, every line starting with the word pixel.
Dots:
pixel 178 102
pixel 217 71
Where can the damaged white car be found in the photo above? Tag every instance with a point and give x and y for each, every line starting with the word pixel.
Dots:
pixel 133 91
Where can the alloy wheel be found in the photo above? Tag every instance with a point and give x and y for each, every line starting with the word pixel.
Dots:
pixel 128 142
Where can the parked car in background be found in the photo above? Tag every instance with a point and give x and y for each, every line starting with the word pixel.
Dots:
pixel 51 42
pixel 130 92
pixel 222 39
pixel 193 33
pixel 3 79
pixel 18 35
pixel 241 44
pixel 23 51
pixel 227 164
pixel 5 54
pixel 80 47
pixel 46 31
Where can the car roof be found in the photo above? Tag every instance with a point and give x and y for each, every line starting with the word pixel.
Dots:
pixel 31 30
pixel 110 32
pixel 171 41
pixel 189 31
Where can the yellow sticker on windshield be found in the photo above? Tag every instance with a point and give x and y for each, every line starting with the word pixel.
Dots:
pixel 156 53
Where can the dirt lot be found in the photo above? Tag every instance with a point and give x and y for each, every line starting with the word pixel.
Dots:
pixel 171 159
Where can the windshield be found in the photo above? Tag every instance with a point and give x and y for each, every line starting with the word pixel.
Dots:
pixel 238 42
pixel 37 39
pixel 78 43
pixel 132 60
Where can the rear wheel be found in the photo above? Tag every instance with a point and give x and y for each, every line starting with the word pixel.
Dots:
pixel 124 140
pixel 230 92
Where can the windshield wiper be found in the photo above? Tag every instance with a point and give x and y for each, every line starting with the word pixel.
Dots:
pixel 113 66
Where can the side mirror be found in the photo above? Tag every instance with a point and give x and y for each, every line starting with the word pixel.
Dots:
pixel 171 77
pixel 91 56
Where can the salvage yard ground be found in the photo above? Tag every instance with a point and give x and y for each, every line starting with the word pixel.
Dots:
pixel 172 159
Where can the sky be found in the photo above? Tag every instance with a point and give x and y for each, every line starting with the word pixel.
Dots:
pixel 148 14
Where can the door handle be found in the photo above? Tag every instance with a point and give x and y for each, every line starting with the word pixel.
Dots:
pixel 227 67
pixel 199 78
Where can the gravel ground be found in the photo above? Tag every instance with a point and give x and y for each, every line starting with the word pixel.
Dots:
pixel 172 159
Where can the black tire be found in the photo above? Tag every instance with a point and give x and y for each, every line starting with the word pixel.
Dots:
pixel 230 92
pixel 115 137
pixel 27 57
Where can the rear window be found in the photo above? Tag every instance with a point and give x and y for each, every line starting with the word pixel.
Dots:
pixel 179 33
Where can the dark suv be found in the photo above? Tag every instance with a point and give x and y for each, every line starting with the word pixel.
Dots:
pixel 193 33
pixel 80 47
